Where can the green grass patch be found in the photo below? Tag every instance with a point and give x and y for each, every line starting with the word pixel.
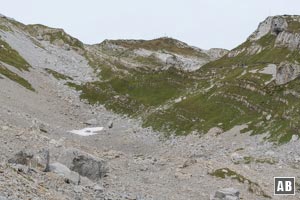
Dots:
pixel 138 91
pixel 167 44
pixel 12 57
pixel 15 77
pixel 58 75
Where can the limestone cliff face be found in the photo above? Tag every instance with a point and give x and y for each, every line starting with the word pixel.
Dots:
pixel 273 25
pixel 288 40
pixel 285 28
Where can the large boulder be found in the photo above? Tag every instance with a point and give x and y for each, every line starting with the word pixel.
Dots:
pixel 226 194
pixel 38 160
pixel 62 170
pixel 84 164
pixel 287 72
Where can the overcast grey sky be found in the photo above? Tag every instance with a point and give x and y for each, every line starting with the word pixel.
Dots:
pixel 201 23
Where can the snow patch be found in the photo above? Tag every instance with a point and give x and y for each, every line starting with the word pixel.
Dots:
pixel 87 131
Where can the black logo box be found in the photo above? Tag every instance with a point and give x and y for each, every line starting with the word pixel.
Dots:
pixel 284 183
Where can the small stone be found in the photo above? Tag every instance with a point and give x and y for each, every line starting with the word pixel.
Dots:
pixel 39 37
pixel 226 194
pixel 92 122
pixel 294 138
pixel 268 117
pixel 110 124
pixel 270 153
pixel 188 163
pixel 215 131
pixel 182 175
pixel 77 189
pixel 4 128
pixel 66 47
pixel 98 188
pixel 3 198
pixel 236 158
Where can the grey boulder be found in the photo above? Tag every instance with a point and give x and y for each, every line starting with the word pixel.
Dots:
pixel 84 164
pixel 226 194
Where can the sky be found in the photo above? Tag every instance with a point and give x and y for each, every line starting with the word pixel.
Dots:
pixel 202 23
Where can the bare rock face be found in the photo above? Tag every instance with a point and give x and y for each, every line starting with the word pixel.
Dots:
pixel 274 25
pixel 287 72
pixel 289 40
pixel 84 164
pixel 174 61
pixel 216 53
pixel 278 25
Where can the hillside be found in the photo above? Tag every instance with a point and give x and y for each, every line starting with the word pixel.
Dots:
pixel 255 83
pixel 147 119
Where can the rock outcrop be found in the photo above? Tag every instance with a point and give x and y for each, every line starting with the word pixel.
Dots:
pixel 288 40
pixel 274 25
pixel 287 72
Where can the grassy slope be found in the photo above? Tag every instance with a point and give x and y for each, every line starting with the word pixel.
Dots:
pixel 132 94
pixel 222 105
pixel 238 95
pixel 12 57
pixel 15 77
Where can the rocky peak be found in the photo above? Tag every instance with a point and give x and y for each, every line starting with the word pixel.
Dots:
pixel 273 25
pixel 285 28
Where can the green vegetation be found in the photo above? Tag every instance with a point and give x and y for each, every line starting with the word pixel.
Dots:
pixel 61 35
pixel 5 28
pixel 54 34
pixel 57 75
pixel 134 93
pixel 12 57
pixel 249 159
pixel 269 54
pixel 252 186
pixel 74 86
pixel 15 77
pixel 228 92
pixel 293 25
